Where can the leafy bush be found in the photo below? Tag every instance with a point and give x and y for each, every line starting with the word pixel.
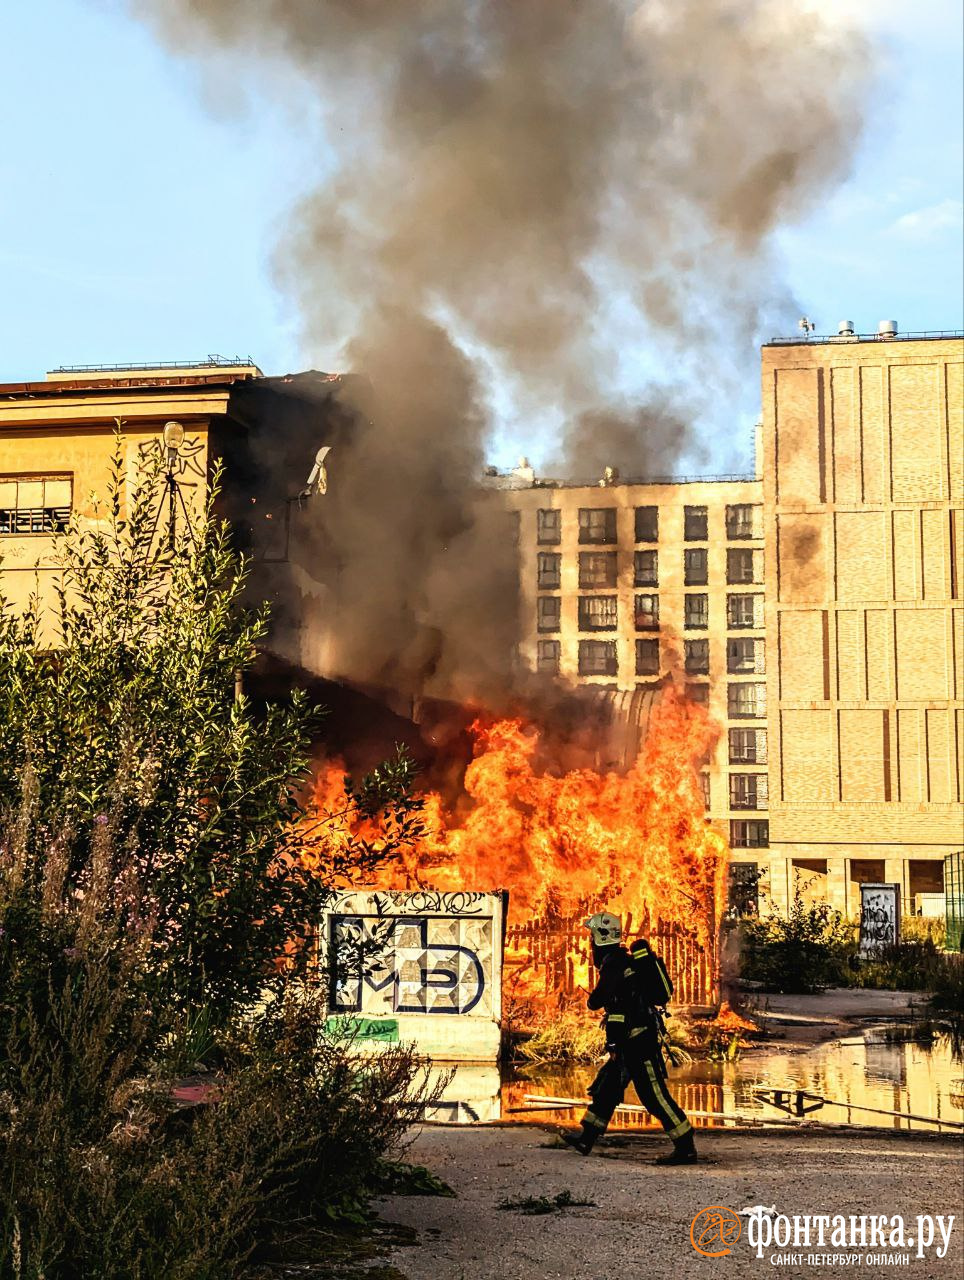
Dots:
pixel 152 913
pixel 811 947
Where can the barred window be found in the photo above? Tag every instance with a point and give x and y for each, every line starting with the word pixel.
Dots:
pixel 745 655
pixel 597 525
pixel 744 888
pixel 548 527
pixel 647 524
pixel 646 569
pixel 647 657
pixel 749 833
pixel 746 701
pixel 697 657
pixel 597 569
pixel 549 570
pixel 742 521
pixel 744 611
pixel 597 613
pixel 748 790
pixel 695 567
pixel 35 504
pixel 597 657
pixel 698 692
pixel 549 611
pixel 696 612
pixel 694 524
pixel 705 788
pixel 748 746
pixel 742 564
pixel 547 657
pixel 647 613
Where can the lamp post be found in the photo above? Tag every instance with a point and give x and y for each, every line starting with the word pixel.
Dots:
pixel 173 437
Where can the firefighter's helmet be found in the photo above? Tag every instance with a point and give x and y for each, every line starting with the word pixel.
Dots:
pixel 605 929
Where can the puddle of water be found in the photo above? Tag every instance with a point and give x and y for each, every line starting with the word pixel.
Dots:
pixel 866 1070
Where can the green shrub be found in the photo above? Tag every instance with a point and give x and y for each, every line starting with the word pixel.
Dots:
pixel 813 946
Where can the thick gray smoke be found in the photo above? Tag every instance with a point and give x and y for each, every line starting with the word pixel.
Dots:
pixel 583 190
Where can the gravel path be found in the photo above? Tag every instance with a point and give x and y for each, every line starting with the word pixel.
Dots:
pixel 640 1226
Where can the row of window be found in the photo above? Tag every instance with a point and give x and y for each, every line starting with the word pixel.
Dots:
pixel 746 790
pixel 597 525
pixel 35 504
pixel 744 656
pixel 600 568
pixel 601 613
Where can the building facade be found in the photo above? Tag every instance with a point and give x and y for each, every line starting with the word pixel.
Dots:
pixel 57 441
pixel 624 584
pixel 862 487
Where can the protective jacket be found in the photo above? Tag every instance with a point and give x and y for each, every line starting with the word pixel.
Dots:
pixel 630 988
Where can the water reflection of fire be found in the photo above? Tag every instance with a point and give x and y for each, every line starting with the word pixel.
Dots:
pixel 564 842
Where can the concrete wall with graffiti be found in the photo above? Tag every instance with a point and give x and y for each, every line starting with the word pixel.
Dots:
pixel 420 967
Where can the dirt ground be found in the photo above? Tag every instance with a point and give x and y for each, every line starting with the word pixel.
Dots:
pixel 639 1224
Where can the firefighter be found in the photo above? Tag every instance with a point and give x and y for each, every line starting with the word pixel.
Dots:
pixel 632 986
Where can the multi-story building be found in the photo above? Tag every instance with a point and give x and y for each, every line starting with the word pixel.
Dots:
pixel 863 496
pixel 624 583
pixel 57 439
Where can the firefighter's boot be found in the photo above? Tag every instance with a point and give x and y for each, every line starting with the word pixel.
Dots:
pixel 584 1140
pixel 684 1151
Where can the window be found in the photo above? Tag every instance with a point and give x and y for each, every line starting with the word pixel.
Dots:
pixel 647 524
pixel 597 613
pixel 549 609
pixel 744 888
pixel 746 701
pixel 741 521
pixel 705 788
pixel 742 564
pixel 597 657
pixel 696 612
pixel 745 655
pixel 35 504
pixel 748 790
pixel 744 611
pixel 647 613
pixel 694 524
pixel 548 527
pixel 749 833
pixel 748 746
pixel 597 525
pixel 548 570
pixel 547 657
pixel 597 568
pixel 698 693
pixel 646 569
pixel 647 657
pixel 694 567
pixel 697 657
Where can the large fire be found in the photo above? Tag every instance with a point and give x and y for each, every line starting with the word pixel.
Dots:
pixel 565 843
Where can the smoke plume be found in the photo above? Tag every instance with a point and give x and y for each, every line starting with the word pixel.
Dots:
pixel 576 197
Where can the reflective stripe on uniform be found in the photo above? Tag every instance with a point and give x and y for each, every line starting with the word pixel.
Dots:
pixel 669 1110
pixel 616 1017
pixel 591 1118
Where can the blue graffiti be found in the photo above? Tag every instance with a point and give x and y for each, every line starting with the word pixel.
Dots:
pixel 354 932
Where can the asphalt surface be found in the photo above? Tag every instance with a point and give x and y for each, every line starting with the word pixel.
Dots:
pixel 639 1226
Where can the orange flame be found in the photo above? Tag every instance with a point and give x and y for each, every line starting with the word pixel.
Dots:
pixel 636 843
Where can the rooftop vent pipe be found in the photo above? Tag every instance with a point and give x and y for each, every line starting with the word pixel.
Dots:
pixel 845 329
pixel 887 329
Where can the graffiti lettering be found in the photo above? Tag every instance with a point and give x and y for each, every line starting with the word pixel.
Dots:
pixel 419 966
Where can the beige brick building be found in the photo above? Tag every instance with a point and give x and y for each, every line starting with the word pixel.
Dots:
pixel 863 462
pixel 623 583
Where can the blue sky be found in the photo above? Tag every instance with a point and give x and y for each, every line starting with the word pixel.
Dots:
pixel 139 206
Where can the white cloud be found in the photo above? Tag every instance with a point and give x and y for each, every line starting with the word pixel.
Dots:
pixel 929 223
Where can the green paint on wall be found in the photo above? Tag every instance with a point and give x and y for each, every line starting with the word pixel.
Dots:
pixel 383 1030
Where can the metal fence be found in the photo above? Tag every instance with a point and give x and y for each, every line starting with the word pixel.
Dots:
pixel 954 900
